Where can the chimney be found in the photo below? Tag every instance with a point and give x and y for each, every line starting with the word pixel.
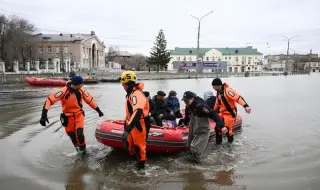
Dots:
pixel 93 33
pixel 60 34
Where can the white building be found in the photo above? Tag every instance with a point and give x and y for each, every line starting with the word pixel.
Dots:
pixel 314 67
pixel 238 59
pixel 113 65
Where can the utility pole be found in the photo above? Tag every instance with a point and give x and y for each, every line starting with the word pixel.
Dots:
pixel 310 60
pixel 199 21
pixel 286 66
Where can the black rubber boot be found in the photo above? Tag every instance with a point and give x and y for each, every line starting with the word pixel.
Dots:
pixel 218 139
pixel 230 138
pixel 140 165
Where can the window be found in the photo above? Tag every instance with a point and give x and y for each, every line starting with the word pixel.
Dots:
pixel 249 62
pixel 184 58
pixel 207 58
pixel 65 49
pixel 236 58
pixel 229 58
pixel 40 49
pixel 219 59
pixel 249 58
pixel 225 58
pixel 212 58
pixel 242 62
pixel 248 68
pixel 255 58
pixel 49 49
pixel 178 58
pixel 190 58
pixel 57 49
pixel 255 68
pixel 314 64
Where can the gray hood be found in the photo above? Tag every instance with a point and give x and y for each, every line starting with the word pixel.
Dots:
pixel 207 94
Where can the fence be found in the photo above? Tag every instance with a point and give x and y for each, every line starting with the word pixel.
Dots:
pixel 19 78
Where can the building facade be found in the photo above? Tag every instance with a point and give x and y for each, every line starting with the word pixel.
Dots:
pixel 237 59
pixel 85 51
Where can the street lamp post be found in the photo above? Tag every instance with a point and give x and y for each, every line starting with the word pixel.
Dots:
pixel 199 21
pixel 286 66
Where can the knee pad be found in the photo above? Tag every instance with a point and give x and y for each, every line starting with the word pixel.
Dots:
pixel 80 136
pixel 73 138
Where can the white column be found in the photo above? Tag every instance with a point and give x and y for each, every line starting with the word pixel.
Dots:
pixel 58 66
pixel 37 65
pixel 2 67
pixel 16 66
pixel 47 66
pixel 69 66
pixel 65 65
pixel 28 65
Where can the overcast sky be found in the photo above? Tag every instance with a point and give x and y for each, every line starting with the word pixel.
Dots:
pixel 133 25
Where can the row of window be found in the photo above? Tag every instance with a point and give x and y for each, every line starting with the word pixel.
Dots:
pixel 216 58
pixel 58 49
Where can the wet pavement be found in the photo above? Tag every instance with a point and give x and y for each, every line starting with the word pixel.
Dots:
pixel 278 147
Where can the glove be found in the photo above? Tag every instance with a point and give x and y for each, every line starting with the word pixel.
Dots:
pixel 43 121
pixel 99 112
pixel 44 117
pixel 124 140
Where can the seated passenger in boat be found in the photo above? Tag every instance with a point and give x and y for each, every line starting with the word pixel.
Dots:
pixel 173 104
pixel 209 98
pixel 151 107
pixel 160 110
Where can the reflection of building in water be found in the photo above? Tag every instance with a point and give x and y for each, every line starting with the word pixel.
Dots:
pixel 75 178
pixel 224 177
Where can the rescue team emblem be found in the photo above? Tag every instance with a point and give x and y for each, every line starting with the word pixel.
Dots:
pixel 231 94
pixel 134 100
pixel 86 93
pixel 58 94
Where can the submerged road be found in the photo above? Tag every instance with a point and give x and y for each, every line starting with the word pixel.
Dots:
pixel 278 147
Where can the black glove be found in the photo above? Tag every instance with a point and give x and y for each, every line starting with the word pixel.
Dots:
pixel 99 112
pixel 44 117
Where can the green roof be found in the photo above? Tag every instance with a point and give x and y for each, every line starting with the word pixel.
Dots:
pixel 188 51
pixel 224 51
pixel 241 51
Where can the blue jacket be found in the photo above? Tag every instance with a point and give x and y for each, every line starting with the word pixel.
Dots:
pixel 173 104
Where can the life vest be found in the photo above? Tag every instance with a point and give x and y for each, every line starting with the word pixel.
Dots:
pixel 136 100
pixel 226 104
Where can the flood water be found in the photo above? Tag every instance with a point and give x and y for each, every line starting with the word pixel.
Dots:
pixel 278 148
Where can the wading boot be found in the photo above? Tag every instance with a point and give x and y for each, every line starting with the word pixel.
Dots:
pixel 230 138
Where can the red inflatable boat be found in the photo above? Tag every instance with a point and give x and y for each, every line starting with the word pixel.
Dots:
pixel 161 139
pixel 34 81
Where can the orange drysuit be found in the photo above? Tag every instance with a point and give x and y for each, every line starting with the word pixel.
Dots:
pixel 73 115
pixel 137 118
pixel 226 104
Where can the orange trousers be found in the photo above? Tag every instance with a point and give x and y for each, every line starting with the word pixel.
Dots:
pixel 228 121
pixel 137 143
pixel 75 129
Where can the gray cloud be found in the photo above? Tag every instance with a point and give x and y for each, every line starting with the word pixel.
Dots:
pixel 133 25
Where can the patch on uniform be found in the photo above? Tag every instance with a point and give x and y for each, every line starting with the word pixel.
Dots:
pixel 86 93
pixel 134 100
pixel 58 94
pixel 231 94
pixel 206 110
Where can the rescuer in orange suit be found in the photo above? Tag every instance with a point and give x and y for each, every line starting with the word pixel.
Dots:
pixel 137 117
pixel 226 103
pixel 72 116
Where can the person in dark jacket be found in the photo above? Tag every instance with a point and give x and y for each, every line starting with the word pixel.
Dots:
pixel 198 116
pixel 173 104
pixel 160 107
pixel 209 98
pixel 151 108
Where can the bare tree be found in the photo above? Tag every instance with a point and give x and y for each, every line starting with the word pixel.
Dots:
pixel 112 53
pixel 16 39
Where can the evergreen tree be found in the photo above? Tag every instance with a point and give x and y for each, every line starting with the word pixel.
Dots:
pixel 159 56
